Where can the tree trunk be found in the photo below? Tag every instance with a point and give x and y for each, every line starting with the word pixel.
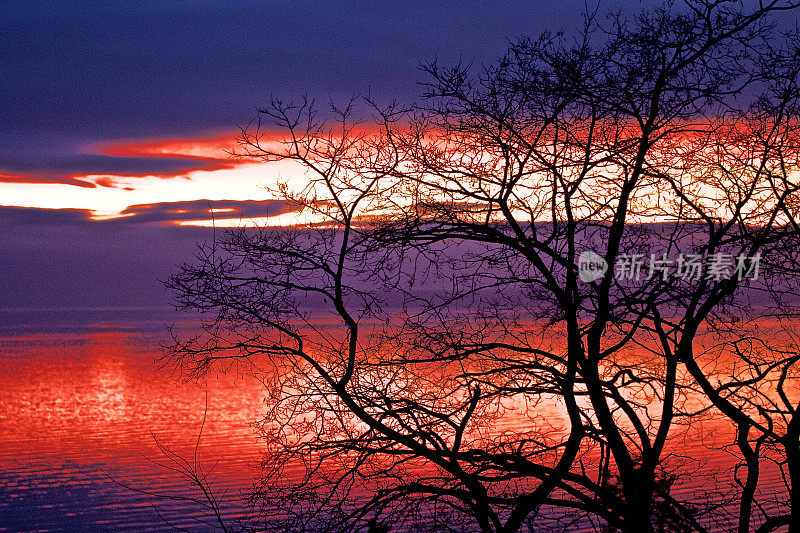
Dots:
pixel 638 492
pixel 792 446
pixel 749 489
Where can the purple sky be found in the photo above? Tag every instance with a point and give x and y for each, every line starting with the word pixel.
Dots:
pixel 85 73
pixel 78 75
pixel 89 94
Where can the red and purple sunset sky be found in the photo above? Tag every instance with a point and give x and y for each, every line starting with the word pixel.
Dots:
pixel 116 118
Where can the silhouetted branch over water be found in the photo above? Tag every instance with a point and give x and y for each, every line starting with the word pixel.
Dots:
pixel 510 304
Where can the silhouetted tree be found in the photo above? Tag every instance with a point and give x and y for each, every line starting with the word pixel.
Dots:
pixel 436 351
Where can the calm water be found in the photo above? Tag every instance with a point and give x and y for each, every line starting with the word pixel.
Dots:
pixel 81 406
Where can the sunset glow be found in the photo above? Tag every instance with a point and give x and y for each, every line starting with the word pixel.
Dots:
pixel 451 267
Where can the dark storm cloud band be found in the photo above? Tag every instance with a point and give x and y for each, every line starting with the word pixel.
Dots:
pixel 165 213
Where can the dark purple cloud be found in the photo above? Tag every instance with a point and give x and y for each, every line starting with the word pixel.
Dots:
pixel 153 214
pixel 55 167
pixel 201 210
pixel 20 217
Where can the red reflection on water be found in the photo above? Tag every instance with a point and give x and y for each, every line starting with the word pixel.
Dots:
pixel 77 408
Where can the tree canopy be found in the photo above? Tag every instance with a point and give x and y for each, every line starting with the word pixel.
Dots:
pixel 514 302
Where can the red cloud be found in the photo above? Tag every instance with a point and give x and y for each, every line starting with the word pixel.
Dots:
pixel 100 164
pixel 211 152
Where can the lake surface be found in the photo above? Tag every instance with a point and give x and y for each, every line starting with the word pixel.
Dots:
pixel 84 408
pixel 82 404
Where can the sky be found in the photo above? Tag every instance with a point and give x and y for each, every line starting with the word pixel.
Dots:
pixel 116 119
pixel 93 94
